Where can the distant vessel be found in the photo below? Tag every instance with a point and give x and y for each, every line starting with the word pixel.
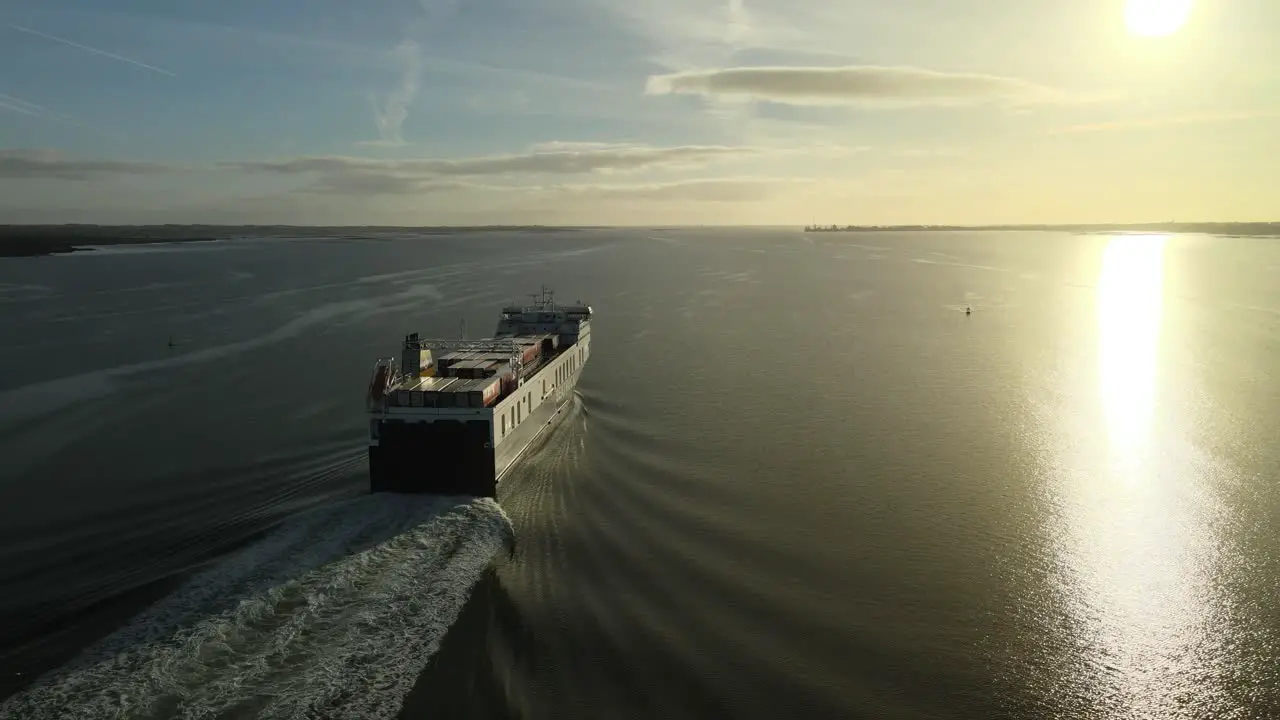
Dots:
pixel 456 415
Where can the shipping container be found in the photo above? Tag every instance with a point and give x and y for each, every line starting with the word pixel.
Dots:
pixel 471 368
pixel 455 368
pixel 492 389
pixel 454 359
pixel 472 394
pixel 509 383
pixel 447 399
pixel 469 395
pixel 439 392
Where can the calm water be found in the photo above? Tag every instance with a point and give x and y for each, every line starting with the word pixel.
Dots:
pixel 798 480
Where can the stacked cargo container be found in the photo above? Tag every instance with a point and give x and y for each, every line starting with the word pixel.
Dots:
pixel 451 392
pixel 471 378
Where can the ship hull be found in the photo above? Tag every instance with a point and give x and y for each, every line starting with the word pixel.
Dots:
pixel 534 430
pixel 406 458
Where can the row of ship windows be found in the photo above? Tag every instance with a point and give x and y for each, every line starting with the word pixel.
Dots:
pixel 515 415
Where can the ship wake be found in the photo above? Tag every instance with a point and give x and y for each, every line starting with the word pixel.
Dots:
pixel 333 614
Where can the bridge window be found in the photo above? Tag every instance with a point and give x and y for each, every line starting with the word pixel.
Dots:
pixel 504 426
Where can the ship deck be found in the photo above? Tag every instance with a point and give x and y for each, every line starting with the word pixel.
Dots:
pixel 529 372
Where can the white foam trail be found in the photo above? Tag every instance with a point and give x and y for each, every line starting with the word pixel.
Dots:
pixel 334 614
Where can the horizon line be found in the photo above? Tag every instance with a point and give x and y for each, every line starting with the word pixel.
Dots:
pixel 597 226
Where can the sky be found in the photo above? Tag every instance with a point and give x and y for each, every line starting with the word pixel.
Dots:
pixel 639 112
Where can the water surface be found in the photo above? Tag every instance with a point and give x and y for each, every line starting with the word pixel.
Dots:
pixel 798 479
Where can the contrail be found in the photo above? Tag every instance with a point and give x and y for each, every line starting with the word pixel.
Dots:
pixel 19 108
pixel 86 48
pixel 19 105
pixel 26 107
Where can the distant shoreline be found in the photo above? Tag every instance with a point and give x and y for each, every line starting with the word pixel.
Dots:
pixel 16 245
pixel 42 240
pixel 1248 229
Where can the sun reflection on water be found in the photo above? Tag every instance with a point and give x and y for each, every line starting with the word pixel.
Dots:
pixel 1135 552
pixel 1130 295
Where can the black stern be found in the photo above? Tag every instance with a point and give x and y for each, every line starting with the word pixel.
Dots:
pixel 443 457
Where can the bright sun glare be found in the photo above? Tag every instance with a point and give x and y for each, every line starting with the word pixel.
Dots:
pixel 1153 18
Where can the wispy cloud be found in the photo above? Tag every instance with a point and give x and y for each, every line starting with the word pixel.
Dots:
pixel 369 175
pixel 364 183
pixel 393 110
pixel 604 158
pixel 96 51
pixel 1167 121
pixel 717 190
pixel 563 159
pixel 850 85
pixel 50 164
pixel 408 56
pixel 553 146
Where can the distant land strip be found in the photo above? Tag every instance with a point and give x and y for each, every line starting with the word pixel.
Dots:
pixel 1245 229
pixel 35 240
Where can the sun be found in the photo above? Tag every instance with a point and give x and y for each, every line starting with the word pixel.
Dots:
pixel 1155 18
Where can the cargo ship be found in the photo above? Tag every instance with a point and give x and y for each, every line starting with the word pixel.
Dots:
pixel 452 417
